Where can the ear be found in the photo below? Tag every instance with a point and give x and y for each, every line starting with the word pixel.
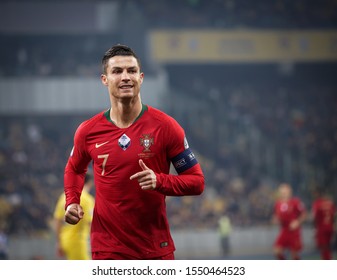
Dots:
pixel 104 79
pixel 141 77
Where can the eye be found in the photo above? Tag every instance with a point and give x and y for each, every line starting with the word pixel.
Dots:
pixel 132 71
pixel 116 71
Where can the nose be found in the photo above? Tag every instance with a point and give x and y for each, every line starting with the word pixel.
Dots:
pixel 125 76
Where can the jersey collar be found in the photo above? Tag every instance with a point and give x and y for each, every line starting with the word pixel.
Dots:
pixel 107 113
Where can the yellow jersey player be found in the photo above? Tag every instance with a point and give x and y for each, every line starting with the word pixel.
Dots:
pixel 73 240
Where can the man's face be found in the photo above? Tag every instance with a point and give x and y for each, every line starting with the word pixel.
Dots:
pixel 285 192
pixel 123 77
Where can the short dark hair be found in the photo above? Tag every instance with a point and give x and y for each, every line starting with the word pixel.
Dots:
pixel 115 50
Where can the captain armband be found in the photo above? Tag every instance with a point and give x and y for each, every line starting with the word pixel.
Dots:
pixel 184 161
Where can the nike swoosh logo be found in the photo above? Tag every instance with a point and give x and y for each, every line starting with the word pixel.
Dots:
pixel 99 145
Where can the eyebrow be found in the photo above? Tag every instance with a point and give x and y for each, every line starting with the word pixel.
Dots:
pixel 119 67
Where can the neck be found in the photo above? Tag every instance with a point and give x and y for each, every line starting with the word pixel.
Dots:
pixel 123 114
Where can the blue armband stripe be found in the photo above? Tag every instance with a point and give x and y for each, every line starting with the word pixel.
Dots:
pixel 184 161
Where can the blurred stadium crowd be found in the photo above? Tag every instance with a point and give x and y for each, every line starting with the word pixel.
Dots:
pixel 252 126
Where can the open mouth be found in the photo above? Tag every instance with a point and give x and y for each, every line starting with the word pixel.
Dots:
pixel 126 86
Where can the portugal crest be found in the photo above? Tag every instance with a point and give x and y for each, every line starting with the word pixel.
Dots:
pixel 146 141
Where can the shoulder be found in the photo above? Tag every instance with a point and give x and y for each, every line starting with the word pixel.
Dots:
pixel 60 199
pixel 298 202
pixel 315 203
pixel 85 127
pixel 59 208
pixel 163 117
pixel 318 201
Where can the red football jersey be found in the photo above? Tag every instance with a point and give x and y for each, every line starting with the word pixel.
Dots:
pixel 126 218
pixel 324 211
pixel 287 211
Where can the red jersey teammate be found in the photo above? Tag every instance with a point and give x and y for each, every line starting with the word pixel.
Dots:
pixel 289 213
pixel 323 213
pixel 131 146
